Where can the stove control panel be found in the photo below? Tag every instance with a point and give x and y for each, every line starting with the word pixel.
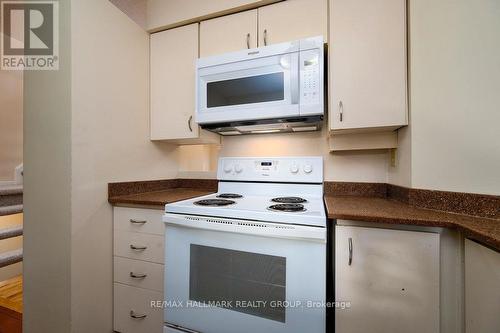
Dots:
pixel 271 169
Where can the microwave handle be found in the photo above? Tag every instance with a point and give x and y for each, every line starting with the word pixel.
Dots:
pixel 295 78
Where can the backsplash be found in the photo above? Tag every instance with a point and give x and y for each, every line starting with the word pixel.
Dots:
pixel 353 166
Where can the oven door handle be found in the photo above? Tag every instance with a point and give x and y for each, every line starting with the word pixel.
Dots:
pixel 180 329
pixel 257 228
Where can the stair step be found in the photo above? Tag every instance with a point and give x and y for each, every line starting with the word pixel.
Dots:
pixel 11 189
pixel 11 257
pixel 11 232
pixel 11 195
pixel 9 210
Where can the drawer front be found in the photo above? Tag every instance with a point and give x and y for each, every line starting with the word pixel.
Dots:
pixel 139 246
pixel 127 299
pixel 138 220
pixel 139 273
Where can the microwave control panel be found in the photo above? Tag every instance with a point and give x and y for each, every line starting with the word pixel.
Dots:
pixel 311 74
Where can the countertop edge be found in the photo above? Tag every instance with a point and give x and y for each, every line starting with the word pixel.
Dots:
pixel 390 220
pixel 482 237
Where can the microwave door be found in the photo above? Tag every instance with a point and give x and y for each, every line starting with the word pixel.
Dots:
pixel 261 88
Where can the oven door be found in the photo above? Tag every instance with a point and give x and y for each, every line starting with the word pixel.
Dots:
pixel 230 276
pixel 261 88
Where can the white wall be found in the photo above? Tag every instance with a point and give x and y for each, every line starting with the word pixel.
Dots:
pixel 110 142
pixel 362 166
pixel 356 166
pixel 47 192
pixel 11 123
pixel 455 84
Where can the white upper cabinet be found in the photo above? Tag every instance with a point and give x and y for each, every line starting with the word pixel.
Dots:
pixel 391 279
pixel 228 33
pixel 482 288
pixel 291 20
pixel 280 22
pixel 172 74
pixel 367 53
pixel 163 14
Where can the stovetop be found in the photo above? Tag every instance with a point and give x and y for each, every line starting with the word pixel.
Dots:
pixel 293 203
pixel 285 190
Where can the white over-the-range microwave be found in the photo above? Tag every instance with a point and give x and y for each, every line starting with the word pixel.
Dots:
pixel 277 88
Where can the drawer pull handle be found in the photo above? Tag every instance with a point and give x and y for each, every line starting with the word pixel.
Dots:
pixel 137 316
pixel 137 221
pixel 137 276
pixel 138 248
pixel 341 111
pixel 189 123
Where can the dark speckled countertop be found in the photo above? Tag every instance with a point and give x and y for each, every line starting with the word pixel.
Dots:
pixel 155 194
pixel 476 215
pixel 382 209
pixel 158 199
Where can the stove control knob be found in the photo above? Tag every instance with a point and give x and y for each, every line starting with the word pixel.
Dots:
pixel 228 168
pixel 294 168
pixel 308 168
pixel 238 168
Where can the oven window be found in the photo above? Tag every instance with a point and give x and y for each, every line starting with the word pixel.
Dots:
pixel 228 278
pixel 253 89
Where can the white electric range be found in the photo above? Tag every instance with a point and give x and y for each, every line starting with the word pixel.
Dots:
pixel 252 257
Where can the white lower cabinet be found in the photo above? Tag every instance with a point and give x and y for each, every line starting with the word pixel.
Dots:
pixel 136 245
pixel 139 273
pixel 133 312
pixel 390 279
pixel 482 289
pixel 138 270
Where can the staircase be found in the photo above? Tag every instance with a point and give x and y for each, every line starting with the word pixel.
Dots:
pixel 11 202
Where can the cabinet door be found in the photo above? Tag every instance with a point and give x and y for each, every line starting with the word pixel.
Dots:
pixel 482 288
pixel 228 33
pixel 173 60
pixel 367 53
pixel 392 281
pixel 291 20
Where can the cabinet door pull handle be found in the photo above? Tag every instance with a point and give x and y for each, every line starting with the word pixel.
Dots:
pixel 137 316
pixel 341 110
pixel 350 251
pixel 265 37
pixel 138 248
pixel 137 276
pixel 248 40
pixel 134 221
pixel 189 123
